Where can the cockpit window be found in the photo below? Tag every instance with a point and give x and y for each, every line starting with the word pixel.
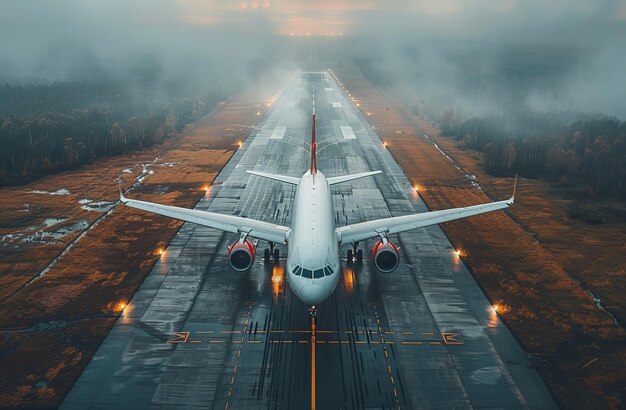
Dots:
pixel 328 271
pixel 319 273
pixel 297 270
pixel 306 273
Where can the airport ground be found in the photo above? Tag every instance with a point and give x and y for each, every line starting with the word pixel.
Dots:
pixel 53 326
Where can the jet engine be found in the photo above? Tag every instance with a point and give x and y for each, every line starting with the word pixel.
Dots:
pixel 241 255
pixel 385 256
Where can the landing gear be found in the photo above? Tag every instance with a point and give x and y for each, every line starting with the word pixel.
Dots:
pixel 313 311
pixel 271 253
pixel 355 254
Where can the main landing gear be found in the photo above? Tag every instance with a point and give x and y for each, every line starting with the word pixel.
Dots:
pixel 355 254
pixel 271 253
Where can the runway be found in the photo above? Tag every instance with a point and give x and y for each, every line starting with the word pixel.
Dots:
pixel 198 334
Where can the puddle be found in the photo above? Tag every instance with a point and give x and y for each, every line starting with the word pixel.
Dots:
pixel 61 191
pixel 487 375
pixel 52 221
pixel 99 206
pixel 70 229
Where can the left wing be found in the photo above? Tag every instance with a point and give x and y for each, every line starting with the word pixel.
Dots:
pixel 229 223
pixel 370 229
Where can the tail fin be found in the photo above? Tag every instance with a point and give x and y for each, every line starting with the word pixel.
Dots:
pixel 313 147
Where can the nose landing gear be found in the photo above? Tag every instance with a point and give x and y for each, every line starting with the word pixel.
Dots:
pixel 313 311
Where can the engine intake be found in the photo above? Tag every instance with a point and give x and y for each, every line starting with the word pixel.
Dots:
pixel 385 256
pixel 241 255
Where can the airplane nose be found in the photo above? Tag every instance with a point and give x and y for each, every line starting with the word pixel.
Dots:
pixel 313 294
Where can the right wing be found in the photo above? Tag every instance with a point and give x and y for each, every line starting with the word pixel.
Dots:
pixel 371 229
pixel 346 178
pixel 229 223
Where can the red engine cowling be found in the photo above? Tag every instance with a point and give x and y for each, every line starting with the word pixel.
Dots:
pixel 385 256
pixel 241 255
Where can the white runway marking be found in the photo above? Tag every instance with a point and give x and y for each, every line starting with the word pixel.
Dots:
pixel 279 132
pixel 336 104
pixel 348 132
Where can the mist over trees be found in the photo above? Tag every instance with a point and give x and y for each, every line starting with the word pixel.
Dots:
pixel 53 127
pixel 509 103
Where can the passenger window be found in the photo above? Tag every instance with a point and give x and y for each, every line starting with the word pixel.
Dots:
pixel 319 274
pixel 306 273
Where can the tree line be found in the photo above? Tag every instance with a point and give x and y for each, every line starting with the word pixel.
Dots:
pixel 591 149
pixel 49 128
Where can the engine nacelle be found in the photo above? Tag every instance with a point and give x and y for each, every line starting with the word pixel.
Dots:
pixel 385 256
pixel 241 255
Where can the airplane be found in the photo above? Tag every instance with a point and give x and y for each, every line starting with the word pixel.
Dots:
pixel 313 240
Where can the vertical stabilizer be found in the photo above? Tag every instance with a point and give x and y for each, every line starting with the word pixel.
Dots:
pixel 313 148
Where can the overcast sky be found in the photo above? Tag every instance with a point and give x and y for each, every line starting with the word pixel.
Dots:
pixel 65 40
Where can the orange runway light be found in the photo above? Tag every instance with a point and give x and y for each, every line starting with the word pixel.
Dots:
pixel 358 105
pixel 495 308
pixel 385 143
pixel 258 113
pixel 240 143
pixel 160 251
pixel 416 188
pixel 278 273
pixel 348 280
pixel 120 307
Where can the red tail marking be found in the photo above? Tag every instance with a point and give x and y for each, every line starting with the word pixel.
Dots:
pixel 313 148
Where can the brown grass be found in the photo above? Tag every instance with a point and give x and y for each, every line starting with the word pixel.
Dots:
pixel 534 259
pixel 105 267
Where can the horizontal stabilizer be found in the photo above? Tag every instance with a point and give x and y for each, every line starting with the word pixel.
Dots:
pixel 345 178
pixel 281 178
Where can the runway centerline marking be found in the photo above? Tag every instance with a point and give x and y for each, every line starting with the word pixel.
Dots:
pixel 229 391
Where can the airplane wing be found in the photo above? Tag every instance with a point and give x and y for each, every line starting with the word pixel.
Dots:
pixel 346 178
pixel 372 229
pixel 229 223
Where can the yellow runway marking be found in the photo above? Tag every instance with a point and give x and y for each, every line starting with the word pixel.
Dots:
pixel 313 343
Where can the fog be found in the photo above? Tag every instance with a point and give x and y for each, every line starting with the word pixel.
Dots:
pixel 476 56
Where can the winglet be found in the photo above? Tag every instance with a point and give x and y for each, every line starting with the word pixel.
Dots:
pixel 119 184
pixel 512 199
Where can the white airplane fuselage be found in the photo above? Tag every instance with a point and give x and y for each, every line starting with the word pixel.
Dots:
pixel 313 260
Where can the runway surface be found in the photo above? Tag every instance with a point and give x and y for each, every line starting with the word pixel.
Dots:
pixel 198 334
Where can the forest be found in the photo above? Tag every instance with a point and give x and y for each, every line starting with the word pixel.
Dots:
pixel 590 149
pixel 566 147
pixel 48 128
